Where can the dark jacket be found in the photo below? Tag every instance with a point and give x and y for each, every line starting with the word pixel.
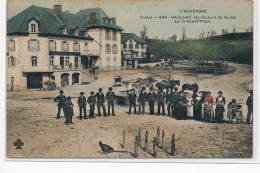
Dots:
pixel 82 101
pixel 61 100
pixel 161 97
pixel 100 97
pixel 142 97
pixel 68 109
pixel 175 97
pixel 110 97
pixel 132 97
pixel 151 97
pixel 91 100
pixel 249 102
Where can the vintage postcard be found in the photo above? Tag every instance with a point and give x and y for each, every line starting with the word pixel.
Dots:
pixel 129 79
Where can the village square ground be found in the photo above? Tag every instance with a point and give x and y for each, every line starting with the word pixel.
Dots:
pixel 31 116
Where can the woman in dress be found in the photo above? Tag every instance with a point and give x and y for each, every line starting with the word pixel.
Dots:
pixel 219 111
pixel 197 106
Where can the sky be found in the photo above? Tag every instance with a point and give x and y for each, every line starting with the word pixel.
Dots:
pixel 128 14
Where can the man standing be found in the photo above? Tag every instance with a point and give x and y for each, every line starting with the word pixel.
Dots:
pixel 161 101
pixel 110 97
pixel 249 103
pixel 82 105
pixel 132 100
pixel 168 100
pixel 91 102
pixel 174 101
pixel 61 101
pixel 151 98
pixel 100 102
pixel 141 100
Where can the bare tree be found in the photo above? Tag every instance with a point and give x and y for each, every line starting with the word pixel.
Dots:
pixel 202 35
pixel 234 29
pixel 143 33
pixel 184 36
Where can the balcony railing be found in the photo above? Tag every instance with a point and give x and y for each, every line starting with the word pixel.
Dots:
pixel 90 52
pixel 66 67
pixel 39 68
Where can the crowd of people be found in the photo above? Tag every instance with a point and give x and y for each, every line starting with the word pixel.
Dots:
pixel 175 102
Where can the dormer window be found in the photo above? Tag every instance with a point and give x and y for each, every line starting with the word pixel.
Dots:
pixel 64 30
pixel 33 26
pixel 86 33
pixel 76 32
pixel 130 41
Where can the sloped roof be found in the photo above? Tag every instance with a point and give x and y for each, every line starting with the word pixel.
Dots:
pixel 84 16
pixel 50 24
pixel 126 36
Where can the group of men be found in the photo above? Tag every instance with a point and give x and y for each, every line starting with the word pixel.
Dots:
pixel 94 99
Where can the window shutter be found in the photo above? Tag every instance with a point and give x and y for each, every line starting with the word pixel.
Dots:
pixel 8 48
pixel 15 62
pixel 79 47
pixel 28 44
pixel 38 44
pixel 14 45
pixel 9 61
pixel 55 45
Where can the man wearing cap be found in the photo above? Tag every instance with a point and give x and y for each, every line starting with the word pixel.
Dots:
pixel 219 111
pixel 100 101
pixel 61 101
pixel 249 103
pixel 110 97
pixel 141 100
pixel 151 98
pixel 161 99
pixel 132 100
pixel 82 105
pixel 91 101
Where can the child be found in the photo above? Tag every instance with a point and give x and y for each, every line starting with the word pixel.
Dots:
pixel 239 113
pixel 232 108
pixel 68 111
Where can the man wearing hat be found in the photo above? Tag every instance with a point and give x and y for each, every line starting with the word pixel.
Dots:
pixel 219 111
pixel 161 99
pixel 151 98
pixel 82 105
pixel 132 100
pixel 61 99
pixel 174 101
pixel 141 100
pixel 249 103
pixel 91 101
pixel 110 97
pixel 100 101
pixel 169 93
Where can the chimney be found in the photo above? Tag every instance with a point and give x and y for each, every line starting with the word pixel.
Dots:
pixel 93 18
pixel 113 20
pixel 57 9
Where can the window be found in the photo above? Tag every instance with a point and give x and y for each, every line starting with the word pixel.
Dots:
pixel 33 28
pixel 130 46
pixel 52 45
pixel 137 46
pixel 114 35
pixel 108 62
pixel 142 46
pixel 64 46
pixel 76 47
pixel 125 46
pixel 114 61
pixel 131 41
pixel 85 46
pixel 34 61
pixel 108 48
pixel 11 45
pixel 51 61
pixel 114 49
pixel 12 61
pixel 136 54
pixel 76 32
pixel 64 30
pixel 67 61
pixel 33 45
pixel 143 54
pixel 108 35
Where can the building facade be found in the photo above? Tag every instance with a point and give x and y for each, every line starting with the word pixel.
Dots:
pixel 48 44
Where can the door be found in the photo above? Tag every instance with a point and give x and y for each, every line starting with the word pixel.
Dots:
pixel 34 80
pixel 62 62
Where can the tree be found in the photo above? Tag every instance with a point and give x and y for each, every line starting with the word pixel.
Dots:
pixel 143 33
pixel 173 38
pixel 224 31
pixel 202 35
pixel 184 36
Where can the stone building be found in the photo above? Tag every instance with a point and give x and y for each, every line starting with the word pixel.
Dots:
pixel 133 48
pixel 45 44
